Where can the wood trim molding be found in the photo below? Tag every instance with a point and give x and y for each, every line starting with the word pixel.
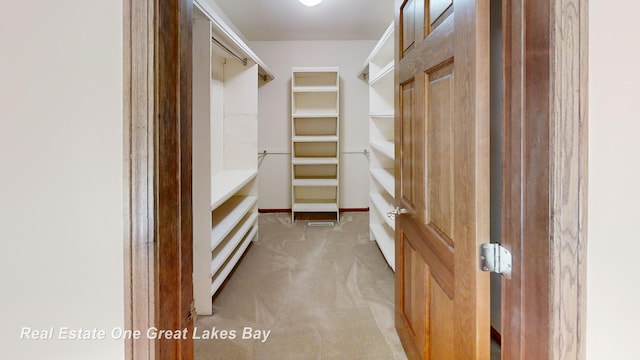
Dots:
pixel 139 175
pixel 569 152
pixel 545 178
pixel 157 182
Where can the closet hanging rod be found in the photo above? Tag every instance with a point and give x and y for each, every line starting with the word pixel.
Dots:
pixel 265 152
pixel 242 60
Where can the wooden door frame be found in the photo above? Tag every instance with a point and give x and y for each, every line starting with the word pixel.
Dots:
pixel 545 178
pixel 544 191
pixel 157 175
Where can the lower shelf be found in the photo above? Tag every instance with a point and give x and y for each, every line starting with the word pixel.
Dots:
pixel 314 206
pixel 385 239
pixel 227 216
pixel 222 252
pixel 315 182
pixel 218 279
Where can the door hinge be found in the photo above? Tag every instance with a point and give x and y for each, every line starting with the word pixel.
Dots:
pixel 495 258
pixel 192 310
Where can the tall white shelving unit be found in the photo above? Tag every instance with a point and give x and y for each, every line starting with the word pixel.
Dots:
pixel 315 134
pixel 225 164
pixel 378 70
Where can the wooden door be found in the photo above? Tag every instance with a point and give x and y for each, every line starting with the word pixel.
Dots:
pixel 442 177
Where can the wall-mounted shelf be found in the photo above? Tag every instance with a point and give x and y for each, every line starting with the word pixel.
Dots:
pixel 385 178
pixel 227 183
pixel 385 147
pixel 227 216
pixel 378 70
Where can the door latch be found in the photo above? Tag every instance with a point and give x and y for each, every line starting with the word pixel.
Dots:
pixel 495 258
pixel 397 211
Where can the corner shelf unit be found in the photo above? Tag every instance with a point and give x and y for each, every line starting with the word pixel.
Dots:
pixel 378 71
pixel 224 158
pixel 315 140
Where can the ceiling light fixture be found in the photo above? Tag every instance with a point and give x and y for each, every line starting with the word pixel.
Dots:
pixel 310 2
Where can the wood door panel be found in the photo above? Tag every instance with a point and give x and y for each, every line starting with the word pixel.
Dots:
pixel 416 273
pixel 427 294
pixel 439 158
pixel 438 9
pixel 441 324
pixel 408 126
pixel 408 25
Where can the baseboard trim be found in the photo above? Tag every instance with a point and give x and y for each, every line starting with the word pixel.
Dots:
pixel 270 211
pixel 354 209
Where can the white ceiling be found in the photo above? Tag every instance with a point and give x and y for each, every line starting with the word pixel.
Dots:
pixel 290 20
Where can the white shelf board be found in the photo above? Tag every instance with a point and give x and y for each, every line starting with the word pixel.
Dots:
pixel 304 89
pixel 315 114
pixel 382 116
pixel 364 71
pixel 386 243
pixel 225 184
pixel 385 178
pixel 227 216
pixel 387 70
pixel 385 147
pixel 315 182
pixel 227 248
pixel 315 138
pixel 222 275
pixel 230 35
pixel 314 161
pixel 310 206
pixel 383 207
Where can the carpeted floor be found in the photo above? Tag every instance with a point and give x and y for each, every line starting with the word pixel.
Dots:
pixel 318 292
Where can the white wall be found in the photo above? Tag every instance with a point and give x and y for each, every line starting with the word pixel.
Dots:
pixel 61 188
pixel 613 283
pixel 275 120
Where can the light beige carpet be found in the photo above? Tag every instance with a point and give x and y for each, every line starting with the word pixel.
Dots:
pixel 320 292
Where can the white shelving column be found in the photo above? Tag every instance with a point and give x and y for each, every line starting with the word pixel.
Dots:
pixel 315 141
pixel 379 71
pixel 225 148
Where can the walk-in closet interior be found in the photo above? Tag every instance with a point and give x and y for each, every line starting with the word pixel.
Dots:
pixel 294 179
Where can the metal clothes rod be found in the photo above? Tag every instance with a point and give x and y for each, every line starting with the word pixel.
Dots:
pixel 242 60
pixel 365 151
pixel 265 153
